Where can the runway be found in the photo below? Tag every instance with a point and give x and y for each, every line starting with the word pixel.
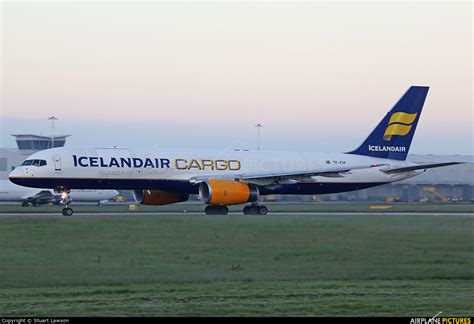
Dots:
pixel 235 214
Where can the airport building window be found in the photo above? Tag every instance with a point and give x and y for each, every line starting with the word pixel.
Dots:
pixel 59 143
pixel 36 145
pixel 3 164
pixel 39 143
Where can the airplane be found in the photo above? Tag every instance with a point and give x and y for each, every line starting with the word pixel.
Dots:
pixel 36 197
pixel 224 178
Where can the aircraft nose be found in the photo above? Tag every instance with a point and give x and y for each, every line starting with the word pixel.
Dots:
pixel 16 175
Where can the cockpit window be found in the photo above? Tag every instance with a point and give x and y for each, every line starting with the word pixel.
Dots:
pixel 38 163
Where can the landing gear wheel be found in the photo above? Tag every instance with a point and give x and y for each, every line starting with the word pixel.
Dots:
pixel 255 210
pixel 262 210
pixel 216 210
pixel 67 211
pixel 25 204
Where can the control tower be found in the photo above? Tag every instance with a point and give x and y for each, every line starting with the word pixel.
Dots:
pixel 29 143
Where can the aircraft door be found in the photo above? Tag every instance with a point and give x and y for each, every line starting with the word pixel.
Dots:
pixel 57 163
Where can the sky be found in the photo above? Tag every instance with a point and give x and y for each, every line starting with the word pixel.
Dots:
pixel 318 76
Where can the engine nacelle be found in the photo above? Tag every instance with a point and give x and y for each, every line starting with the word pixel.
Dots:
pixel 158 197
pixel 227 192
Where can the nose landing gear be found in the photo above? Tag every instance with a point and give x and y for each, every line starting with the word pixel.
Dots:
pixel 65 201
pixel 67 211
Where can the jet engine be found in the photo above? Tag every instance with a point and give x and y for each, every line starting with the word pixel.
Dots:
pixel 158 197
pixel 227 192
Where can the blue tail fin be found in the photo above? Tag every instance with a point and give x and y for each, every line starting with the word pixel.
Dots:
pixel 392 137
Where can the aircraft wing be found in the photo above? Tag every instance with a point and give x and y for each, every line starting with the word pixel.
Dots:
pixel 420 167
pixel 333 171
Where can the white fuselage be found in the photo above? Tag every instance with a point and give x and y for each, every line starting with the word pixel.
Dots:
pixel 174 170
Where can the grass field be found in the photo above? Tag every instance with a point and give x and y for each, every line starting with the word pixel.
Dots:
pixel 237 265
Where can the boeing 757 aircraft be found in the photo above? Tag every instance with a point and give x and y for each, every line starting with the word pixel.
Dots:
pixel 223 178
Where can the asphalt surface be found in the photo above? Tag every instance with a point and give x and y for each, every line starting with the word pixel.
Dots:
pixel 237 214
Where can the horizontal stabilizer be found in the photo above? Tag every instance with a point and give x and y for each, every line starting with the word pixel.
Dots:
pixel 421 167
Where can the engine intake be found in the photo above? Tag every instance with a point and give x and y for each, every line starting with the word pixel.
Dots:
pixel 158 197
pixel 227 192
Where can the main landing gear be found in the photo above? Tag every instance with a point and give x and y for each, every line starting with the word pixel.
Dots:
pixel 65 200
pixel 248 210
pixel 255 210
pixel 217 210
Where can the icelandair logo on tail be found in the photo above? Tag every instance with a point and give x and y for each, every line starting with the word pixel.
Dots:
pixel 377 148
pixel 399 124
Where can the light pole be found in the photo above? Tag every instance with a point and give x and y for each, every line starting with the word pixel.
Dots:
pixel 258 134
pixel 52 119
